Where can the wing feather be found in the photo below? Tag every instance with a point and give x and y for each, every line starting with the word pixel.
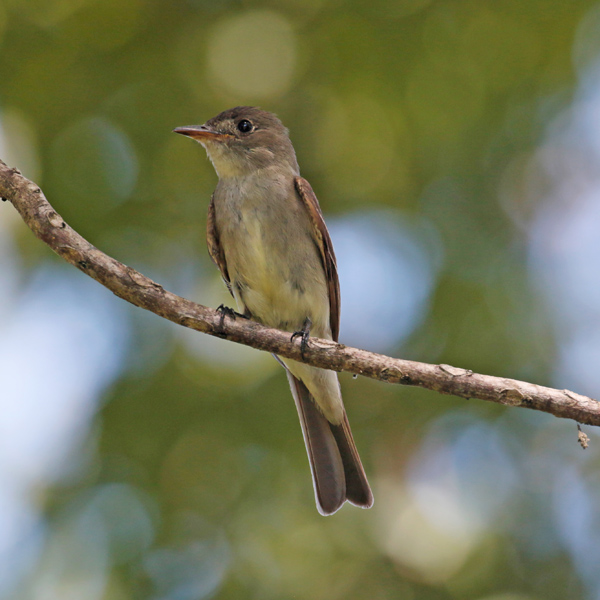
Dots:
pixel 214 247
pixel 325 246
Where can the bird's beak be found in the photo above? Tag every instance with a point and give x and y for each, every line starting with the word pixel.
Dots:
pixel 201 133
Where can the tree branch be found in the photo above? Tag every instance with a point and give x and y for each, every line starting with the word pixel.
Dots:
pixel 141 291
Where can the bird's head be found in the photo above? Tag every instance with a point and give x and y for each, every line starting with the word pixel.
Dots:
pixel 243 139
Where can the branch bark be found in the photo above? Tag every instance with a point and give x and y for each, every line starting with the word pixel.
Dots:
pixel 129 284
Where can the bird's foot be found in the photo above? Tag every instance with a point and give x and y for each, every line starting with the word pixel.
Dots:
pixel 225 311
pixel 303 334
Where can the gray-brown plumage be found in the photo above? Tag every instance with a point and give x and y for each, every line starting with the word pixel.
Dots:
pixel 267 235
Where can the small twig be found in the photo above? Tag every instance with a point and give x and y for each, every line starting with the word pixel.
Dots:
pixel 136 288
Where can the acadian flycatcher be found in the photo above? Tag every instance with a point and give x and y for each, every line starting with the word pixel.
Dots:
pixel 267 235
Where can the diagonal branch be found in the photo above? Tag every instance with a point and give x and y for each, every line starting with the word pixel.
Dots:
pixel 136 288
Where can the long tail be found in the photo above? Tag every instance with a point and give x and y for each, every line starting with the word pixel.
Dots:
pixel 337 472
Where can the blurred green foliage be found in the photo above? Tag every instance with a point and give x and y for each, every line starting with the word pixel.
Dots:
pixel 194 482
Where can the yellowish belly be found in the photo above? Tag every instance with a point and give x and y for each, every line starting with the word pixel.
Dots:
pixel 281 289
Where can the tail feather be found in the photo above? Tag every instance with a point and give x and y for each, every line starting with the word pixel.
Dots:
pixel 336 469
pixel 358 491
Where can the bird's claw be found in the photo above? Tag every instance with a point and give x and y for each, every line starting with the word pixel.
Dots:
pixel 225 311
pixel 303 334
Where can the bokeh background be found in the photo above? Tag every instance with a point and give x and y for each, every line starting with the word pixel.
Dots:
pixel 455 148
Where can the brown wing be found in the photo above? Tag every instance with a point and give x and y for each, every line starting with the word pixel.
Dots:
pixel 325 246
pixel 214 248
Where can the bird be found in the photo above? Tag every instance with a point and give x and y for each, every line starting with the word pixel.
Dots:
pixel 267 236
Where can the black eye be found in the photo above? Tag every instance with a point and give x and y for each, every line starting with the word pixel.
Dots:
pixel 244 126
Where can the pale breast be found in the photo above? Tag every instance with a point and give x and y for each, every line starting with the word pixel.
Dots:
pixel 272 260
